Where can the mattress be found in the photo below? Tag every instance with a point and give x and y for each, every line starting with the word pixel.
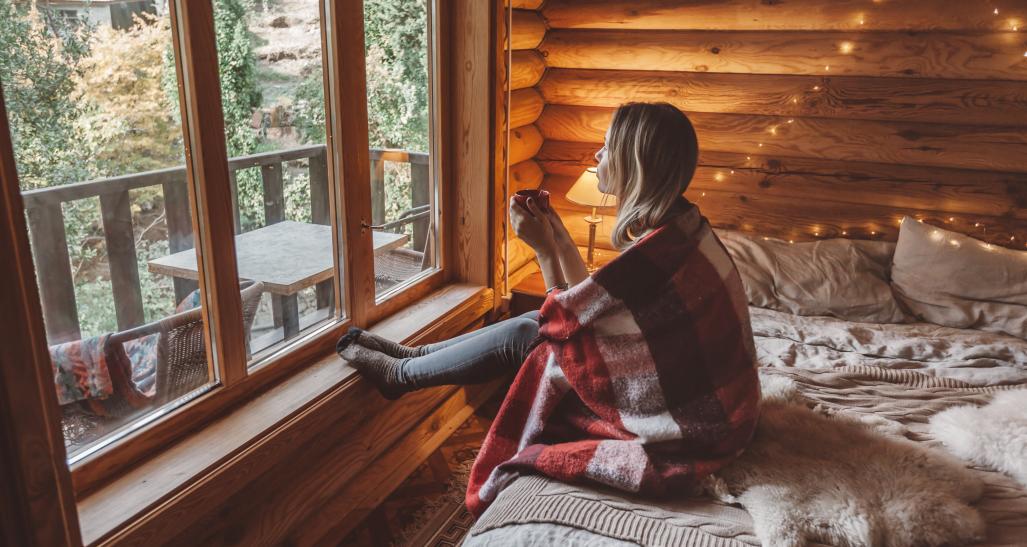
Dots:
pixel 894 376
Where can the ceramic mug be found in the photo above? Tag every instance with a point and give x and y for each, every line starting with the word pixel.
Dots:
pixel 541 198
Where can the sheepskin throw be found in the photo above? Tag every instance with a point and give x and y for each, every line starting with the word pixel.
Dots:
pixel 809 477
pixel 993 436
pixel 644 376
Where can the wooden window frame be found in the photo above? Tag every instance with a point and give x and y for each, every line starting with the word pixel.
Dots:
pixel 32 448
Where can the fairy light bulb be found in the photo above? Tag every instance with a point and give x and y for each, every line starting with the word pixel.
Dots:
pixel 845 233
pixel 791 120
pixel 718 177
pixel 816 88
pixel 827 68
pixel 846 47
pixel 996 11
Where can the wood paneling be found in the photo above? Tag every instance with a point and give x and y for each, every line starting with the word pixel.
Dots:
pixel 528 29
pixel 991 56
pixel 940 145
pixel 525 4
pixel 470 103
pixel 526 69
pixel 855 15
pixel 525 107
pixel 525 175
pixel 1000 103
pixel 525 142
pixel 519 253
pixel 758 212
pixel 902 186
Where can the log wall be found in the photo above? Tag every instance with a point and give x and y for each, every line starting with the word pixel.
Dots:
pixel 815 118
pixel 527 66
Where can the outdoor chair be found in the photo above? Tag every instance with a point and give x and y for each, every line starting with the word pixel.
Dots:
pixel 180 367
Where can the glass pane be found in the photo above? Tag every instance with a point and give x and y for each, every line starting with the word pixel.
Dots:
pixel 399 115
pixel 93 108
pixel 272 86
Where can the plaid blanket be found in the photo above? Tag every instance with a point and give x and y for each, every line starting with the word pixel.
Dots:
pixel 643 377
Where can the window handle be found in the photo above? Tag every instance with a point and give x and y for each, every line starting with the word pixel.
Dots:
pixel 364 225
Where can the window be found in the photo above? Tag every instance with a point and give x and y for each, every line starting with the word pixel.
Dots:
pixel 186 249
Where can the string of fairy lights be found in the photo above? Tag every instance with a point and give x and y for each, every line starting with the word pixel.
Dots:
pixel 846 48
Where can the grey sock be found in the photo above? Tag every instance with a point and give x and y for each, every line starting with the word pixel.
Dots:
pixel 388 347
pixel 384 370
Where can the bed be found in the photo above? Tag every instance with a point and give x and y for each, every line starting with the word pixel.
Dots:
pixel 894 376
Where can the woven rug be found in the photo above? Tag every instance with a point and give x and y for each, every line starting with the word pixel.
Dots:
pixel 428 508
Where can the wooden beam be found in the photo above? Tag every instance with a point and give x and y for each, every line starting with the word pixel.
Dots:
pixel 527 69
pixel 525 107
pixel 939 145
pixel 525 4
pixel 990 56
pixel 37 503
pixel 528 29
pixel 851 15
pixel 471 103
pixel 525 175
pixel 927 188
pixel 211 189
pixel 997 102
pixel 525 142
pixel 761 213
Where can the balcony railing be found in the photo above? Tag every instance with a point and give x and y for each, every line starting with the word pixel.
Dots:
pixel 50 245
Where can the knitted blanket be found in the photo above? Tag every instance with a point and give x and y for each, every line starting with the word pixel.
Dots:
pixel 643 377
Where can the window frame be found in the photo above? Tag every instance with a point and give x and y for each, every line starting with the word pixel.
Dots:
pixel 208 182
pixel 471 183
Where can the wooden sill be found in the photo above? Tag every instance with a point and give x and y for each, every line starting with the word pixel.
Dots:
pixel 238 447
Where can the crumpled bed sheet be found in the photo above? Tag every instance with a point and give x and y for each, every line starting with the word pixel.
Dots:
pixel 793 342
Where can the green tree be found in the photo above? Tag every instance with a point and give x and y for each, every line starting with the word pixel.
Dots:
pixel 39 65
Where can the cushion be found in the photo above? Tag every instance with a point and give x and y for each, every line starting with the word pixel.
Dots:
pixel 957 281
pixel 837 277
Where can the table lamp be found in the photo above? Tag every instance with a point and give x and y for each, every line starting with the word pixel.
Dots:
pixel 586 192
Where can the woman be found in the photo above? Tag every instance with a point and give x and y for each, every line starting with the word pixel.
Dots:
pixel 641 376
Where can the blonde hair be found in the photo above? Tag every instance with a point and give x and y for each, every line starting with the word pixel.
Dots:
pixel 652 152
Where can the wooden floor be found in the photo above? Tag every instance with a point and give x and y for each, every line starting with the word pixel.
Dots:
pixel 428 508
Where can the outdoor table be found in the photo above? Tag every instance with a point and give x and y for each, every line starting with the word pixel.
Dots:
pixel 287 257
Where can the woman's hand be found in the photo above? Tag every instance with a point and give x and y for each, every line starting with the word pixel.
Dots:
pixel 560 234
pixel 533 227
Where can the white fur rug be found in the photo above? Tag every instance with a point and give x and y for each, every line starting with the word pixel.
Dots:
pixel 809 477
pixel 992 436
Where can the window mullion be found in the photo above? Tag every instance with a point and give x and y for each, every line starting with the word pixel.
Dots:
pixel 207 163
pixel 348 104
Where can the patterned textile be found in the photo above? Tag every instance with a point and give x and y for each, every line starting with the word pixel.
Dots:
pixel 643 377
pixel 142 352
pixel 97 373
pixel 191 300
pixel 80 370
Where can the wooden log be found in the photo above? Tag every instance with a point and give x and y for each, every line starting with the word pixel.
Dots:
pixel 518 254
pixel 796 220
pixel 525 142
pixel 116 215
pixel 799 219
pixel 854 15
pixel 524 4
pixel 525 175
pixel 527 69
pixel 940 145
pixel 969 192
pixel 528 29
pixel 53 271
pixel 1001 103
pixel 525 107
pixel 991 56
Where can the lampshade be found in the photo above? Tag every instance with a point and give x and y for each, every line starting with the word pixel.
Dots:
pixel 586 191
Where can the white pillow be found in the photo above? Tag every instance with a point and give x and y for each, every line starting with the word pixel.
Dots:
pixel 838 277
pixel 954 280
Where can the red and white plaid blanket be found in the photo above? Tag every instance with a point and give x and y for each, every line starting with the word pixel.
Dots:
pixel 644 378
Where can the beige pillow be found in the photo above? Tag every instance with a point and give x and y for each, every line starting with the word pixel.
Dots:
pixel 837 277
pixel 957 281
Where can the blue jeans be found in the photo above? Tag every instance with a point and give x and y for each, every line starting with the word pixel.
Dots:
pixel 475 357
